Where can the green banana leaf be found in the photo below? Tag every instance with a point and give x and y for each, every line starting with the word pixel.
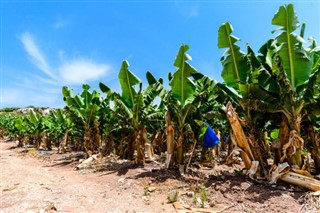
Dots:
pixel 312 88
pixel 86 96
pixel 33 118
pixel 108 91
pixel 259 73
pixel 182 86
pixel 314 53
pixel 60 116
pixel 128 80
pixel 19 124
pixel 297 64
pixel 155 88
pixel 138 105
pixel 235 68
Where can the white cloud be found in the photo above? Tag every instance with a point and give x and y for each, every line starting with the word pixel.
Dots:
pixel 82 71
pixel 35 89
pixel 46 81
pixel 35 54
pixel 76 71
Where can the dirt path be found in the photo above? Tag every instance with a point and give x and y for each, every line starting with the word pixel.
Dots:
pixel 33 181
pixel 30 185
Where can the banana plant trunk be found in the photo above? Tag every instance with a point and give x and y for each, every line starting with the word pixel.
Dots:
pixel 314 147
pixel 64 142
pixel 140 141
pixel 266 143
pixel 259 151
pixel 87 142
pixel 291 142
pixel 97 145
pixel 20 141
pixel 107 146
pixel 131 145
pixel 158 144
pixel 180 156
pixel 37 141
pixel 170 140
pixel 48 143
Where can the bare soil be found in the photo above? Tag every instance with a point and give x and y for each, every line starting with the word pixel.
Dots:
pixel 42 181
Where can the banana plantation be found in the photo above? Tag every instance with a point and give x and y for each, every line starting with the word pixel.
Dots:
pixel 267 109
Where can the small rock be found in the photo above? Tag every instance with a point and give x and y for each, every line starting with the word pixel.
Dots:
pixel 151 189
pixel 145 198
pixel 190 194
pixel 121 180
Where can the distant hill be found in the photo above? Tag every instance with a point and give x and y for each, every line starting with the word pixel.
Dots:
pixel 41 110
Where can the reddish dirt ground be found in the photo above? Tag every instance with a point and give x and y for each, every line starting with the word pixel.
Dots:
pixel 33 181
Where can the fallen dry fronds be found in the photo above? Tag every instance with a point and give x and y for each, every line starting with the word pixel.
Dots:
pixel 310 201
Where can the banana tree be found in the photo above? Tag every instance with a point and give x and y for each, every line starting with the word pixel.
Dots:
pixel 36 127
pixel 239 75
pixel 107 123
pixel 181 100
pixel 275 81
pixel 16 127
pixel 134 109
pixel 293 68
pixel 84 108
pixel 57 125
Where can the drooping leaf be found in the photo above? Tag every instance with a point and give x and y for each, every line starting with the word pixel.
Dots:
pixel 260 106
pixel 122 107
pixel 260 74
pixel 104 88
pixel 265 54
pixel 155 88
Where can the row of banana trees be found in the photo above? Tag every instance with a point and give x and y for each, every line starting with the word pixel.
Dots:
pixel 129 124
pixel 275 90
pixel 269 105
pixel 35 128
pixel 135 122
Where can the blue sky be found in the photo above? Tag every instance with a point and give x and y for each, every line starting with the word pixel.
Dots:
pixel 48 44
